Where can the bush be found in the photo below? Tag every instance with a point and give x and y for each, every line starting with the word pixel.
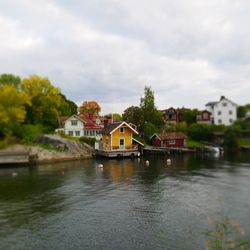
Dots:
pixel 200 132
pixel 28 133
pixel 232 135
pixel 89 140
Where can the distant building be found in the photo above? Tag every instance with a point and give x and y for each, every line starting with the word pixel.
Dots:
pixel 223 112
pixel 204 117
pixel 175 140
pixel 172 115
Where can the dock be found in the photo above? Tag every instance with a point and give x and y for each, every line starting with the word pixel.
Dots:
pixel 14 157
pixel 118 153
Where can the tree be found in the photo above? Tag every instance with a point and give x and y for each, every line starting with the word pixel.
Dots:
pixel 12 108
pixel 241 112
pixel 134 115
pixel 9 79
pixel 90 109
pixel 46 101
pixel 200 132
pixel 150 112
pixel 115 116
pixel 189 115
pixel 67 107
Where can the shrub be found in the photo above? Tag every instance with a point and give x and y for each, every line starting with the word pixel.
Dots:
pixel 200 132
pixel 28 133
pixel 89 140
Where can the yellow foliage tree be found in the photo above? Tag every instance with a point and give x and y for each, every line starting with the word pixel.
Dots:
pixel 46 101
pixel 12 108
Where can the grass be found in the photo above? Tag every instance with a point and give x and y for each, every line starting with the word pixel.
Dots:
pixel 194 144
pixel 244 142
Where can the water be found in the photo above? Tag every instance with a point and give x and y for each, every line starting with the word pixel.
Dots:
pixel 125 205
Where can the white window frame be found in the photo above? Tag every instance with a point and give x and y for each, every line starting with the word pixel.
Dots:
pixel 171 142
pixel 73 122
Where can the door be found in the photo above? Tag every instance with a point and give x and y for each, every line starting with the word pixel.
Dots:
pixel 122 143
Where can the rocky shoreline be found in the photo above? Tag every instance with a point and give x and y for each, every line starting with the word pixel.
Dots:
pixel 58 149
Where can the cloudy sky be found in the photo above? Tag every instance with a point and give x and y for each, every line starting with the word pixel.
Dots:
pixel 189 52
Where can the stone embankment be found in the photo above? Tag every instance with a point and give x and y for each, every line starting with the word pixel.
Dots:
pixel 57 149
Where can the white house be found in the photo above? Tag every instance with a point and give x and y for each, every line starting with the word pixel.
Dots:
pixel 73 126
pixel 223 112
pixel 77 127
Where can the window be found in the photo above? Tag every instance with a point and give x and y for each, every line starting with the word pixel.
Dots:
pixel 219 121
pixel 171 142
pixel 219 112
pixel 224 104
pixel 121 130
pixel 70 133
pixel 77 133
pixel 205 116
pixel 230 120
pixel 230 112
pixel 73 122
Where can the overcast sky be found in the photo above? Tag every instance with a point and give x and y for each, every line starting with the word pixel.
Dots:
pixel 189 52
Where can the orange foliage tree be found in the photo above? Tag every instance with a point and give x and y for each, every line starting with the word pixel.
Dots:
pixel 90 109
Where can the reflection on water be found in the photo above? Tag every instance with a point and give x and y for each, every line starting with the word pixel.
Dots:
pixel 124 205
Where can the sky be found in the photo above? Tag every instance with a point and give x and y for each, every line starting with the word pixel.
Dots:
pixel 189 52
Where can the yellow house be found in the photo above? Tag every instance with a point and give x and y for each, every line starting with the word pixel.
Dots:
pixel 118 136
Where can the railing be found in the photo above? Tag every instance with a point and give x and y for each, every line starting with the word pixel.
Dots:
pixel 117 148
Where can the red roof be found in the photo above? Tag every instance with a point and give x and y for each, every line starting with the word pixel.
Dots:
pixel 92 126
pixel 171 136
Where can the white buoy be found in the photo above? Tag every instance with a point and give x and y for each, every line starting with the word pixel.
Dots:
pixel 14 174
pixel 147 163
pixel 100 166
pixel 169 162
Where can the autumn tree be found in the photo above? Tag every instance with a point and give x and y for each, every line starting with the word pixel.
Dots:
pixel 46 101
pixel 12 108
pixel 9 79
pixel 90 109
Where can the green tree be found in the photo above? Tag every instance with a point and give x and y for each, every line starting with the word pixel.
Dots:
pixel 200 132
pixel 115 116
pixel 189 116
pixel 150 112
pixel 67 107
pixel 232 135
pixel 134 115
pixel 46 101
pixel 9 79
pixel 12 108
pixel 241 111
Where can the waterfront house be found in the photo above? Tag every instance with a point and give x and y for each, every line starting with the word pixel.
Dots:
pixel 204 117
pixel 223 112
pixel 174 140
pixel 76 126
pixel 72 125
pixel 117 140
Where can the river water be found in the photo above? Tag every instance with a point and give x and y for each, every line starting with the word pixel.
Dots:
pixel 125 205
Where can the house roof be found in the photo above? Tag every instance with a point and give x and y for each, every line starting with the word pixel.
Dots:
pixel 92 126
pixel 170 136
pixel 211 103
pixel 221 99
pixel 76 117
pixel 114 126
pixel 138 141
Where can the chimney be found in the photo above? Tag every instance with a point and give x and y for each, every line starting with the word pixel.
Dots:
pixel 222 97
pixel 106 122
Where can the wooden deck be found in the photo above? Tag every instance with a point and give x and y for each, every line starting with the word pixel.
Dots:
pixel 118 153
pixel 14 157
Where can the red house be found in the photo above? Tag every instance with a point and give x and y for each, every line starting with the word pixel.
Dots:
pixel 174 140
pixel 204 117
